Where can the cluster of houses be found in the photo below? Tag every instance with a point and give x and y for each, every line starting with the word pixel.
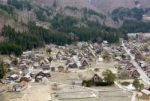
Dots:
pixel 140 50
pixel 125 68
pixel 30 66
pixel 37 65
pixel 77 56
pixel 127 71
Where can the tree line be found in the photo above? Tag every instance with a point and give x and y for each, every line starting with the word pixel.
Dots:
pixel 17 42
pixel 122 13
pixel 91 32
pixel 35 37
pixel 20 4
pixel 135 26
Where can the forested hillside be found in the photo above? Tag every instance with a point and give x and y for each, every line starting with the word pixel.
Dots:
pixel 66 21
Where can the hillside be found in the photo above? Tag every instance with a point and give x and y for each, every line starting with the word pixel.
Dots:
pixel 44 10
pixel 62 3
pixel 101 6
pixel 67 21
pixel 32 24
pixel 107 6
pixel 99 10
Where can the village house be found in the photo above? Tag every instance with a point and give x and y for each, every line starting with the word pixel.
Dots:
pixel 139 57
pixel 53 69
pixel 13 77
pixel 72 65
pixel 46 73
pixel 39 76
pixel 84 62
pixel 91 76
pixel 128 71
pixel 61 69
pixel 46 67
pixel 25 78
pixel 19 86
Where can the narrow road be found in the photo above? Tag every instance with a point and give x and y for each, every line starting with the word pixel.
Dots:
pixel 143 75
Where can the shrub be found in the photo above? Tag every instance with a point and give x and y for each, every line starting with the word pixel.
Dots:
pixel 125 83
pixel 87 83
pixel 102 83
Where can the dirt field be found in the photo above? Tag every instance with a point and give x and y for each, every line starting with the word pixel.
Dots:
pixel 41 92
pixel 35 92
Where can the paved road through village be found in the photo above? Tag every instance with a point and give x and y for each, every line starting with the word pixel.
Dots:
pixel 143 75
